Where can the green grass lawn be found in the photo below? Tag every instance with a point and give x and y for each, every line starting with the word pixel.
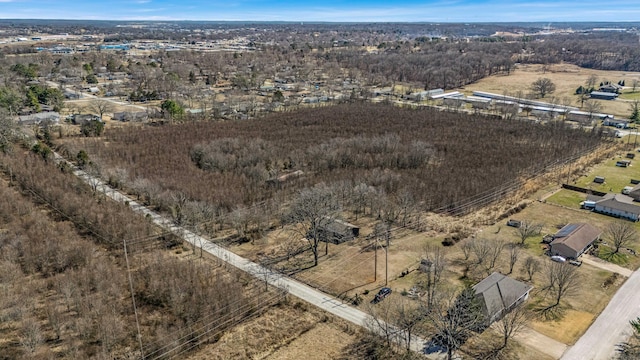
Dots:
pixel 606 253
pixel 630 95
pixel 616 178
pixel 567 198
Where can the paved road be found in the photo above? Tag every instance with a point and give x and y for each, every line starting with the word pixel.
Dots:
pixel 295 288
pixel 611 327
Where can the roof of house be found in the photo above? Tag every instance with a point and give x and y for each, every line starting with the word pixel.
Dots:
pixel 39 117
pixel 603 94
pixel 500 292
pixel 338 226
pixel 576 236
pixel 619 202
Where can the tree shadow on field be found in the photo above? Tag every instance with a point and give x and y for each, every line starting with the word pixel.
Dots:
pixel 487 347
pixel 550 312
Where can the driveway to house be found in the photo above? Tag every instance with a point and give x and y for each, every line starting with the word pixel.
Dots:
pixel 294 287
pixel 542 343
pixel 604 265
pixel 611 327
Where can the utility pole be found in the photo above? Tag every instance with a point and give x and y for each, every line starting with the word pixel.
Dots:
pixel 375 261
pixel 133 299
pixel 386 256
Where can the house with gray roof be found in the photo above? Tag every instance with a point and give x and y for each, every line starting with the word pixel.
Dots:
pixel 41 118
pixel 573 240
pixel 499 294
pixel 617 205
pixel 337 231
pixel 603 95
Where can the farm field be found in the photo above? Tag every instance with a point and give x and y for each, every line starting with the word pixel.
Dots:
pixel 567 79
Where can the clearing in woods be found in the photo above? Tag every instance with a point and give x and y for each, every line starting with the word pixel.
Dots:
pixel 567 79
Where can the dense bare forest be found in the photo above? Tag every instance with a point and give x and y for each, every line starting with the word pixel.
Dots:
pixel 435 158
pixel 68 242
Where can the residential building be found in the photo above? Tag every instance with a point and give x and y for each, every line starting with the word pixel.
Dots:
pixel 337 231
pixel 617 205
pixel 499 294
pixel 573 240
pixel 41 118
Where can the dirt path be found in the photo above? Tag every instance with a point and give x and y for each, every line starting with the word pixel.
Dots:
pixel 601 264
pixel 540 342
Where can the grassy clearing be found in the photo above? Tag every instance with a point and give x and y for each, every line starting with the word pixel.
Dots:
pixel 567 198
pixel 616 178
pixel 630 95
pixel 609 254
pixel 281 333
pixel 568 329
pixel 567 79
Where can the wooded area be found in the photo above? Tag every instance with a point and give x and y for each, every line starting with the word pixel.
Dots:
pixel 436 159
pixel 68 242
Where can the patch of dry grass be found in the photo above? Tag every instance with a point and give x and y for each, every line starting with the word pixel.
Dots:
pixel 291 331
pixel 567 79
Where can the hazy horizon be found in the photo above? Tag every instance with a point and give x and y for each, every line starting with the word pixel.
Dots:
pixel 455 11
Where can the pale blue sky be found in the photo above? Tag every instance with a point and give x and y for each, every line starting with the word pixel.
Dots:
pixel 328 10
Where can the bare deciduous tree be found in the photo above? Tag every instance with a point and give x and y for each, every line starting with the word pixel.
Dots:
pixel 514 253
pixel 31 336
pixel 562 280
pixel 406 316
pixel 592 107
pixel 531 266
pixel 621 234
pixel 436 263
pixel 101 107
pixel 592 81
pixel 528 229
pixel 481 250
pixel 313 209
pixel 495 249
pixel 467 248
pixel 512 323
pixel 543 86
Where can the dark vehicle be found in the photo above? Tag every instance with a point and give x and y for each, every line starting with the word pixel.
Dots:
pixel 514 223
pixel 383 293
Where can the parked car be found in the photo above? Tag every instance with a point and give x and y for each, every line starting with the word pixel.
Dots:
pixel 514 223
pixel 383 293
pixel 558 258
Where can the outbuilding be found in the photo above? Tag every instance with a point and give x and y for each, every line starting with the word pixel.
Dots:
pixel 600 95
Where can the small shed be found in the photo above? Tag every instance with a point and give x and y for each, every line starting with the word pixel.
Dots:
pixel 631 156
pixel 623 163
pixel 598 180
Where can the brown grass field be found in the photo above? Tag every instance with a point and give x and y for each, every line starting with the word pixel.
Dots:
pixel 567 79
